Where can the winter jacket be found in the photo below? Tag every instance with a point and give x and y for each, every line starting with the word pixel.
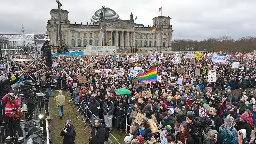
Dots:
pixel 108 108
pixel 98 135
pixel 227 134
pixel 244 125
pixel 12 108
pixel 94 106
pixel 253 113
pixel 60 99
pixel 69 136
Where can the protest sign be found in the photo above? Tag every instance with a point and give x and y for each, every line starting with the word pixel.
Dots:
pixel 212 76
pixel 198 72
pixel 81 79
pixel 235 65
pixel 220 58
pixel 139 118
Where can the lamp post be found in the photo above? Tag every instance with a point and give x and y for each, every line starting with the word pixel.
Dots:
pixel 103 21
pixel 59 33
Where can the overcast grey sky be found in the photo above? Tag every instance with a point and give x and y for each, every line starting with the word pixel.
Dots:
pixel 191 19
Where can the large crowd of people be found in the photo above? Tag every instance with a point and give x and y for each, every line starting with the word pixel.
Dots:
pixel 202 97
pixel 196 98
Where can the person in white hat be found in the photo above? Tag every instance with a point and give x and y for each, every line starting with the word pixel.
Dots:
pixel 60 102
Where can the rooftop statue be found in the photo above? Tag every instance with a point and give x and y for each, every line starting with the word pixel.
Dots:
pixel 131 17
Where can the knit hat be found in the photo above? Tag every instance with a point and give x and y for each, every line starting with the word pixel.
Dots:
pixel 228 120
pixel 140 139
pixel 168 128
pixel 68 121
pixel 244 116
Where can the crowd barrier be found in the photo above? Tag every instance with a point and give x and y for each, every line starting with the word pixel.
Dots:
pixel 83 108
pixel 47 131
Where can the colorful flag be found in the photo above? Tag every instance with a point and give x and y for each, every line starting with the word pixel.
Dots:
pixel 149 76
pixel 153 29
pixel 160 9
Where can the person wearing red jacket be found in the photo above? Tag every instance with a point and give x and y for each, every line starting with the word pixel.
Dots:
pixel 13 114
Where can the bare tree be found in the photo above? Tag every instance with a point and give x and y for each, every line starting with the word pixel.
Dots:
pixel 224 43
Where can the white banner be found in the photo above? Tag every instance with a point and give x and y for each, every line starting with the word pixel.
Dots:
pixel 212 76
pixel 189 56
pixel 176 60
pixel 219 58
pixel 235 65
pixel 100 50
pixel 22 60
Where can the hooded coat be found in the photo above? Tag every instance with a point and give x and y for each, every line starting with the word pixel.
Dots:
pixel 69 136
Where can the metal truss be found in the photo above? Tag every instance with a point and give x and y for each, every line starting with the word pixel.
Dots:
pixel 28 38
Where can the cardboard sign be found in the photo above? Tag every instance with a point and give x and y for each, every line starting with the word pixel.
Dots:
pixel 197 72
pixel 146 94
pixel 81 79
pixel 153 126
pixel 181 70
pixel 139 118
pixel 235 65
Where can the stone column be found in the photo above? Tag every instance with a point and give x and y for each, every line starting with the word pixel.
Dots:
pixel 116 38
pixel 128 39
pixel 100 37
pixel 125 39
pixel 111 37
pixel 133 39
pixel 122 39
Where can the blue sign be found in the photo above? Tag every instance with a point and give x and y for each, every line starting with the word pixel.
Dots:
pixel 71 53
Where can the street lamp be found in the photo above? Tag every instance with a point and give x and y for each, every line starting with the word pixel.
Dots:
pixel 59 34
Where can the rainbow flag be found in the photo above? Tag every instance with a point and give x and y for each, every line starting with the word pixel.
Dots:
pixel 153 29
pixel 160 9
pixel 150 75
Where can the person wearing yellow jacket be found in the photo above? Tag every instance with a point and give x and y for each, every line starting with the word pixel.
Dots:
pixel 60 102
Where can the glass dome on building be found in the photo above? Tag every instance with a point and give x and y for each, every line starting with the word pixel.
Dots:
pixel 109 14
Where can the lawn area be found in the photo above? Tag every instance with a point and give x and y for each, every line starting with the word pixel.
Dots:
pixel 120 135
pixel 82 132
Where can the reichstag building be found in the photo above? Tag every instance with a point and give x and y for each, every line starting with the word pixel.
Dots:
pixel 113 31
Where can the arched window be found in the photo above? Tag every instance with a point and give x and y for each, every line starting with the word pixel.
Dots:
pixel 79 43
pixel 163 44
pixel 150 43
pixel 90 42
pixel 73 43
pixel 85 42
pixel 136 43
pixel 140 43
pixel 145 43
pixel 96 42
pixel 155 44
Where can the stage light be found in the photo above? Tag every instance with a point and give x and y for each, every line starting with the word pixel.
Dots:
pixel 40 116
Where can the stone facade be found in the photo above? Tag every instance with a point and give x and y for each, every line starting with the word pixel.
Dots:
pixel 121 33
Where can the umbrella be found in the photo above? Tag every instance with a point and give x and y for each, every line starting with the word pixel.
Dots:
pixel 123 91
pixel 206 106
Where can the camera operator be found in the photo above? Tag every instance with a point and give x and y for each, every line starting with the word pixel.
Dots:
pixel 69 133
pixel 13 113
pixel 48 85
pixel 98 133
